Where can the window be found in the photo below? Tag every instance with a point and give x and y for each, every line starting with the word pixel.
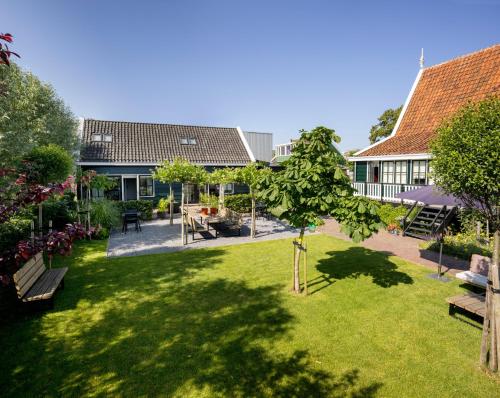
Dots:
pixel 188 141
pixel 96 137
pixel 400 172
pixel 388 172
pixel 229 188
pixel 146 186
pixel 419 172
pixel 107 138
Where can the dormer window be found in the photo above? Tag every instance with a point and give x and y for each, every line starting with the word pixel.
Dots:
pixel 188 141
pixel 96 137
pixel 107 138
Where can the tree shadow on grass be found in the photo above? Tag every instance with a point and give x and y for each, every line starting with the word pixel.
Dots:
pixel 358 261
pixel 164 331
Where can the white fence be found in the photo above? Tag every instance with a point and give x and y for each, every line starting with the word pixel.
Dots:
pixel 380 191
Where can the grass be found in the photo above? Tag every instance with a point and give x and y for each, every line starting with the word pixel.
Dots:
pixel 221 322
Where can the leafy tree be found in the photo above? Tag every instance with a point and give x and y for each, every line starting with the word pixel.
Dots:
pixel 385 125
pixel 167 173
pixel 251 175
pixel 466 163
pixel 223 176
pixel 312 185
pixel 181 170
pixel 31 115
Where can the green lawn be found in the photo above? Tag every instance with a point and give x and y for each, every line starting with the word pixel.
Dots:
pixel 221 322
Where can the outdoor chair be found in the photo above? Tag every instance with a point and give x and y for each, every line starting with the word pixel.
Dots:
pixel 131 218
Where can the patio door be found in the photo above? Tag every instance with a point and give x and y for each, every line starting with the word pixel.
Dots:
pixel 130 188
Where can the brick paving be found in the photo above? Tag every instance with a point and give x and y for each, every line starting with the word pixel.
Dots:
pixel 404 247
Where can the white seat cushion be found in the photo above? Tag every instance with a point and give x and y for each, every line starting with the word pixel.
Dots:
pixel 473 278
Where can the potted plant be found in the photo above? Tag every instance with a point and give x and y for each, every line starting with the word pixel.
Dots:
pixel 393 229
pixel 163 207
pixel 204 199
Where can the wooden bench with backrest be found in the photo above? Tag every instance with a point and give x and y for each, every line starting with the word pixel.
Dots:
pixel 195 227
pixel 232 223
pixel 34 282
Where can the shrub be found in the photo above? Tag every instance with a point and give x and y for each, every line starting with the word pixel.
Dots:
pixel 164 204
pixel 462 245
pixel 47 164
pixel 101 234
pixel 105 213
pixel 241 203
pixel 390 214
pixel 13 231
pixel 144 206
pixel 209 200
pixel 57 210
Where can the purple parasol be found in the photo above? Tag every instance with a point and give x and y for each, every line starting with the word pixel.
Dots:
pixel 431 195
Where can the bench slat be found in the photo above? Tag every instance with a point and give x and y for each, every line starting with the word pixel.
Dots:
pixel 27 285
pixel 26 267
pixel 30 269
pixel 45 287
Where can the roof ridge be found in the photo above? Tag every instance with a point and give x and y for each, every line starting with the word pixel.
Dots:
pixel 158 124
pixel 463 56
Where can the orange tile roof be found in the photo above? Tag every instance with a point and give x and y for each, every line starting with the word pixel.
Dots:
pixel 441 91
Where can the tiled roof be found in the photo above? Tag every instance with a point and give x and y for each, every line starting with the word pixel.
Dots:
pixel 151 143
pixel 441 91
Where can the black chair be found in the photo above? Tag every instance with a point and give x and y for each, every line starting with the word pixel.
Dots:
pixel 131 217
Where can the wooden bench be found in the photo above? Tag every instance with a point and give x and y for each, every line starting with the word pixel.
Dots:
pixel 35 283
pixel 195 227
pixel 471 302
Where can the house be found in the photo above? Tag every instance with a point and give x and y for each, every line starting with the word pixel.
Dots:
pixel 128 152
pixel 282 152
pixel 402 161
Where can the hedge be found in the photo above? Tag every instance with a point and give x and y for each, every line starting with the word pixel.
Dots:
pixel 241 203
pixel 144 206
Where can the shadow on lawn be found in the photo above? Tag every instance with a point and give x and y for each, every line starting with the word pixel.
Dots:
pixel 155 327
pixel 355 262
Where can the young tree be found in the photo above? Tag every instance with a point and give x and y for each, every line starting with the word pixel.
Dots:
pixel 181 170
pixel 251 175
pixel 466 164
pixel 385 125
pixel 166 173
pixel 222 177
pixel 313 185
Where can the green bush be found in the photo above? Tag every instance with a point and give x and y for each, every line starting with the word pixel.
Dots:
pixel 101 234
pixel 59 210
pixel 462 245
pixel 241 203
pixel 13 231
pixel 46 164
pixel 144 206
pixel 209 200
pixel 164 204
pixel 390 214
pixel 105 213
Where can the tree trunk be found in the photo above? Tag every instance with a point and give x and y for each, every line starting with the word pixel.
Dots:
pixel 183 227
pixel 171 205
pixel 490 345
pixel 221 197
pixel 40 220
pixel 252 233
pixel 296 265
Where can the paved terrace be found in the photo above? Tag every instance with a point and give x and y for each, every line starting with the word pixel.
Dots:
pixel 158 236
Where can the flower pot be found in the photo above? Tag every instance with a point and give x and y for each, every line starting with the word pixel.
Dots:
pixel 213 211
pixel 204 211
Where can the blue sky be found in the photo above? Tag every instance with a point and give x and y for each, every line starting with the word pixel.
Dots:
pixel 274 66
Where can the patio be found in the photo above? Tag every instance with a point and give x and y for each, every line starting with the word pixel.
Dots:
pixel 158 236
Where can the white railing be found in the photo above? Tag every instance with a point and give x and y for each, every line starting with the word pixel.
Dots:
pixel 360 188
pixel 382 191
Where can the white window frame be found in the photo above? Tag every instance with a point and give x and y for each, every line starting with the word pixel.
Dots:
pixel 419 172
pixel 401 173
pixel 388 171
pixel 96 137
pixel 139 185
